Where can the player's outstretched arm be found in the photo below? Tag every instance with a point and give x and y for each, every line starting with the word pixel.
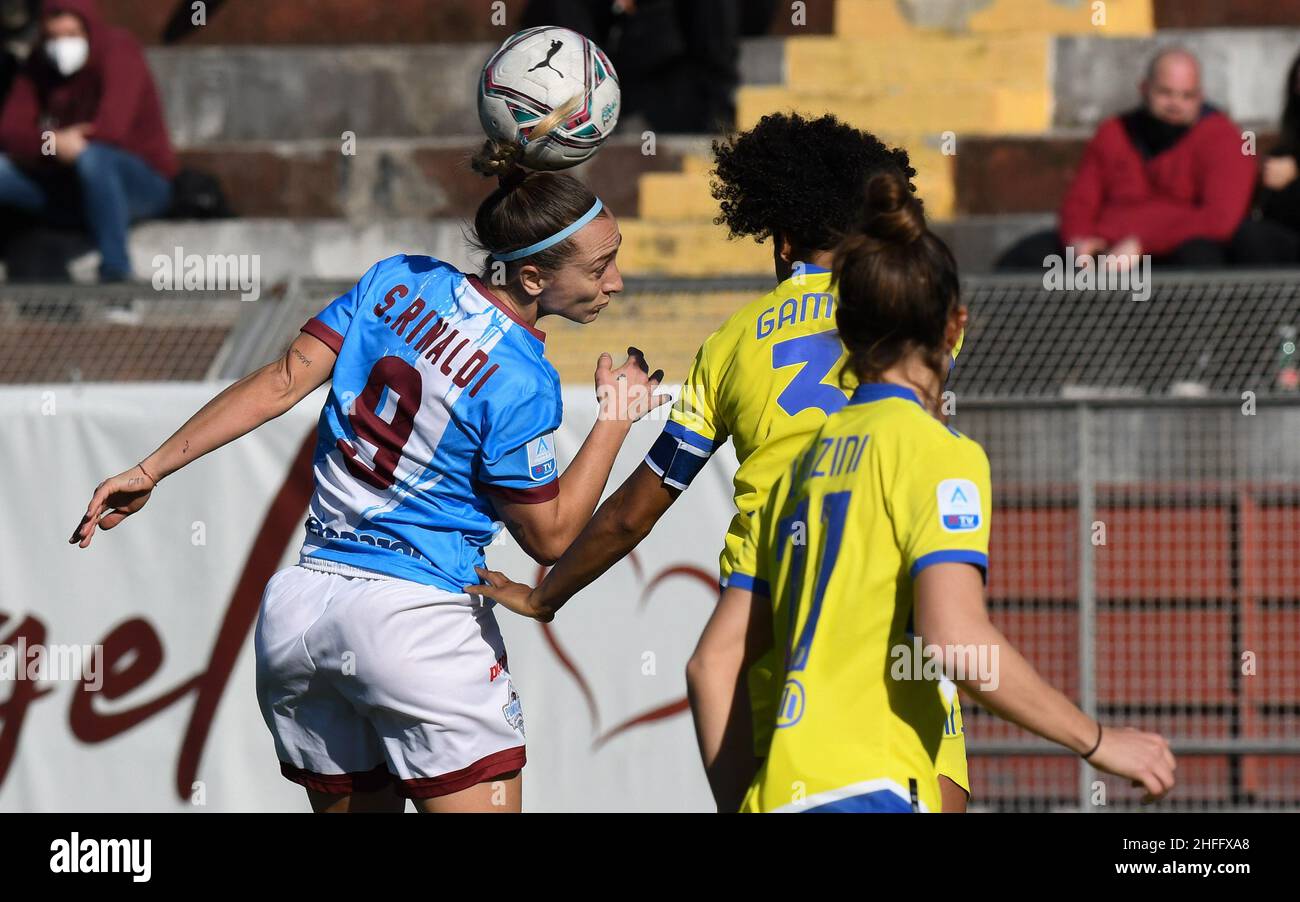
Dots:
pixel 626 517
pixel 260 396
pixel 736 636
pixel 545 531
pixel 951 615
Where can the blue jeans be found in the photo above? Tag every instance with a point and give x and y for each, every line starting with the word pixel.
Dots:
pixel 107 189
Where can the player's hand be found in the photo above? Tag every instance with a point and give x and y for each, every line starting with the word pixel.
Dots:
pixel 121 496
pixel 1143 758
pixel 516 597
pixel 628 393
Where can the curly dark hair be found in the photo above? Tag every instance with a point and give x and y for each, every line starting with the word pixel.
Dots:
pixel 801 178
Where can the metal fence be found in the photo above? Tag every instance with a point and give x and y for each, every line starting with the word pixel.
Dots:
pixel 1146 559
pixel 1146 471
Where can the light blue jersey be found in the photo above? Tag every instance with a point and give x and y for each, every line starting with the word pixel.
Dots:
pixel 441 398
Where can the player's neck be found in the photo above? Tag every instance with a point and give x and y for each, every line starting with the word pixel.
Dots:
pixel 523 304
pixel 785 268
pixel 913 373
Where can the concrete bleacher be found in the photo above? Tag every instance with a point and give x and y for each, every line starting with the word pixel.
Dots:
pixel 263 95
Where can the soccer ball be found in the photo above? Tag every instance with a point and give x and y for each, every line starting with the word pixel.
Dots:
pixel 537 71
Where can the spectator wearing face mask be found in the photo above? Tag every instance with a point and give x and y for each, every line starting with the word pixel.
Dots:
pixel 82 137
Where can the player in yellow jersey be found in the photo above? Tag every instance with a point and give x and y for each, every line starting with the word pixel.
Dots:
pixel 767 379
pixel 882 522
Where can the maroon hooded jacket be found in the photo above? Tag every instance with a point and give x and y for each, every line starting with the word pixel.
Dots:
pixel 1199 188
pixel 114 91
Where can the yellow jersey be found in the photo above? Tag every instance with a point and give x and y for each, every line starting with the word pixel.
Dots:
pixel 882 491
pixel 767 378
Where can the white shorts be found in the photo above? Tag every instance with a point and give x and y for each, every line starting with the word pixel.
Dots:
pixel 364 682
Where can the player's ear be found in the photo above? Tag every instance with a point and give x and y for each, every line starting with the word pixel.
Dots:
pixel 532 279
pixel 784 247
pixel 957 321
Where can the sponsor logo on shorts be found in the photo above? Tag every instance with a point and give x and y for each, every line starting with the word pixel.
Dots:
pixel 959 505
pixel 513 711
pixel 497 669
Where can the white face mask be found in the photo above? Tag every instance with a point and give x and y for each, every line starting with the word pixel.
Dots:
pixel 68 54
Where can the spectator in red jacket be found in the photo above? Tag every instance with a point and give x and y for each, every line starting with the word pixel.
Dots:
pixel 1170 179
pixel 82 137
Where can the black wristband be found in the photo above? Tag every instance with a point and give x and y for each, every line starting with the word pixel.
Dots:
pixel 1096 745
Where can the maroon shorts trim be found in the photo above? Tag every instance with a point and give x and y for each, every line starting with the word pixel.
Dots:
pixel 480 771
pixel 317 329
pixel 339 784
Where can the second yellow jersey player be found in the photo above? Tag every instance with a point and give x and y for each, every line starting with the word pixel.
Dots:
pixel 883 491
pixel 768 379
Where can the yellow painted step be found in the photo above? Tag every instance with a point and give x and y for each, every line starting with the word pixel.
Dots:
pixel 1103 17
pixel 676 196
pixel 668 327
pixel 828 64
pixel 901 18
pixel 934 175
pixel 696 163
pixel 959 108
pixel 652 248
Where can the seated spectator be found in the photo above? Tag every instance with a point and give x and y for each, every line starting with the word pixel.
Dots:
pixel 82 138
pixel 1271 235
pixel 1169 179
pixel 678 61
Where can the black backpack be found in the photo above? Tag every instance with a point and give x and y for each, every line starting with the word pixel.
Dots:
pixel 198 195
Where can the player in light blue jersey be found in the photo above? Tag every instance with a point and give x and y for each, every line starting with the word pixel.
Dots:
pixel 379 678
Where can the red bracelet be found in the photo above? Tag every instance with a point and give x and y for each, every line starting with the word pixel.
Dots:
pixel 146 472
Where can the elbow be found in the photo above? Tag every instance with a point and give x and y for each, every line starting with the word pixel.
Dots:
pixel 279 391
pixel 708 660
pixel 548 558
pixel 546 551
pixel 696 669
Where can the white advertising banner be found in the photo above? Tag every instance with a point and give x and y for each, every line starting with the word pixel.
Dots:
pixel 170 597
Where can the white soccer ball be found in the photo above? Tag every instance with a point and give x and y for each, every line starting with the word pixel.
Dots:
pixel 537 71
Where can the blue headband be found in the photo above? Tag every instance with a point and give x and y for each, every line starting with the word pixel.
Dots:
pixel 561 235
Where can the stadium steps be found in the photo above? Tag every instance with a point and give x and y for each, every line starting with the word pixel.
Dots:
pixel 344 22
pixel 686 195
pixel 339 249
pixel 937 89
pixel 394 22
pixel 401 177
pixel 1244 71
pixel 889 18
pixel 225 95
